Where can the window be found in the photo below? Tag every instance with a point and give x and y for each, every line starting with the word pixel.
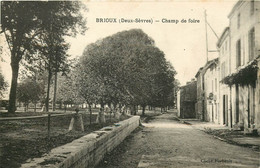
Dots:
pixel 252 7
pixel 238 53
pixel 238 20
pixel 251 43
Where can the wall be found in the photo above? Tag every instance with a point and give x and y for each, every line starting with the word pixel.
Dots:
pixel 88 150
pixel 178 103
pixel 248 113
pixel 212 86
pixel 200 97
pixel 188 98
pixel 257 116
pixel 224 90
pixel 247 22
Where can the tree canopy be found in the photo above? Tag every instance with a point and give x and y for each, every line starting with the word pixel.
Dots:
pixel 29 91
pixel 39 26
pixel 125 68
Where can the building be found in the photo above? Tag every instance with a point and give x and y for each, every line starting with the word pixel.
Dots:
pixel 200 105
pixel 187 97
pixel 208 92
pixel 223 46
pixel 212 91
pixel 243 78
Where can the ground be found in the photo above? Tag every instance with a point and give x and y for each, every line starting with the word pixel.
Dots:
pixel 165 142
pixel 24 139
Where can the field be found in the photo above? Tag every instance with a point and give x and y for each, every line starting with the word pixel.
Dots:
pixel 28 138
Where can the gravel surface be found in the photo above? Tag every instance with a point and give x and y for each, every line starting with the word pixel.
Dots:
pixel 165 142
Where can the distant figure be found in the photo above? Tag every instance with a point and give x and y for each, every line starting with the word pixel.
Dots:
pixel 76 122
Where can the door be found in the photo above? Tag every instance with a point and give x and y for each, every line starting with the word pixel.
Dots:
pixel 225 110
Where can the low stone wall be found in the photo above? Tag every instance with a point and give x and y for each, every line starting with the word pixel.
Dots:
pixel 88 150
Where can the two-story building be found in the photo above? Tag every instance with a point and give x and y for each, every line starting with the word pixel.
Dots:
pixel 211 91
pixel 207 92
pixel 243 76
pixel 223 46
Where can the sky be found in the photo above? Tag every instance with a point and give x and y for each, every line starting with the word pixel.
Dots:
pixel 184 44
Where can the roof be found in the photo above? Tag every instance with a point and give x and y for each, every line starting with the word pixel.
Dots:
pixel 222 37
pixel 197 74
pixel 189 83
pixel 210 63
pixel 236 6
pixel 206 66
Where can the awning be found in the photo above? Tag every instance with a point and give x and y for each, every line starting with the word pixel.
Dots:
pixel 246 75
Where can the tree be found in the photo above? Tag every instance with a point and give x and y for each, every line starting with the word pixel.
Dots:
pixel 67 92
pixel 19 27
pixel 126 69
pixel 26 23
pixel 29 91
pixel 88 85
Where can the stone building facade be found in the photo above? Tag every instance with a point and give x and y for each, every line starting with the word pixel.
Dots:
pixel 187 99
pixel 243 79
pixel 211 91
pixel 223 46
pixel 207 92
pixel 200 104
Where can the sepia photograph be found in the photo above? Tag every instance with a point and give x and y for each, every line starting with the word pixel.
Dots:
pixel 130 84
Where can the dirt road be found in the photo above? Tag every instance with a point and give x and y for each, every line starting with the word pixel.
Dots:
pixel 164 142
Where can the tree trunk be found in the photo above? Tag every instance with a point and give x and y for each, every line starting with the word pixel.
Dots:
pixel 143 110
pixel 12 95
pixel 135 109
pixel 35 104
pixel 110 111
pixel 48 91
pixel 47 103
pixel 54 93
pixel 90 112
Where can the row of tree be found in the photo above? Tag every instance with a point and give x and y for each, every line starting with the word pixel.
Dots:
pixel 122 71
pixel 35 33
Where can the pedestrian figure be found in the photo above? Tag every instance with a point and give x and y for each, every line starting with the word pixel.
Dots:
pixel 76 123
pixel 101 116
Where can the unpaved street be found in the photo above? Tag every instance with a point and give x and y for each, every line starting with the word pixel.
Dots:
pixel 164 142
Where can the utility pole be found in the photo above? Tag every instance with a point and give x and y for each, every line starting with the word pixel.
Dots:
pixel 205 15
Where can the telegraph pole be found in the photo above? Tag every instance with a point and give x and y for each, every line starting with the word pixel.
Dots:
pixel 205 15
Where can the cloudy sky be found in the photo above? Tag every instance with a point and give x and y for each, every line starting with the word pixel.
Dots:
pixel 183 43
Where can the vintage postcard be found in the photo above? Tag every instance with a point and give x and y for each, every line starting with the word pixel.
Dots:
pixel 142 83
